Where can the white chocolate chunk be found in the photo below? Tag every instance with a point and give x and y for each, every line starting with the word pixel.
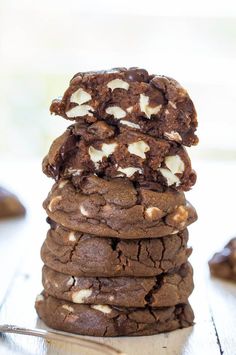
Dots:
pixel 116 111
pixel 130 124
pixel 79 111
pixel 175 164
pixel 75 172
pixel 54 202
pixel 102 308
pixel 111 298
pixel 173 136
pixel 63 183
pixel 40 298
pixel 129 171
pixel 55 284
pixel 68 308
pixel 80 296
pixel 108 149
pixel 70 281
pixel 83 211
pixel 71 237
pixel 170 178
pixel 139 148
pixel 97 155
pixel 80 97
pixel 129 109
pixel 118 84
pixel 144 106
pixel 172 104
pixel 153 212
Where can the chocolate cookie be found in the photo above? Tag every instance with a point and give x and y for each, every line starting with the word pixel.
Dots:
pixel 10 206
pixel 100 149
pixel 153 104
pixel 115 208
pixel 223 263
pixel 78 254
pixel 165 290
pixel 104 320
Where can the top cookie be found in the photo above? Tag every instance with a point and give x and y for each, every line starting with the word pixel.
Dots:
pixel 154 104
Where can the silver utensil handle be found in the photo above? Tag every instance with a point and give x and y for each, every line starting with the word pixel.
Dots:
pixel 61 336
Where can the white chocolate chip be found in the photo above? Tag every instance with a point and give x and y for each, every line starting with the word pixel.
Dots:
pixel 68 308
pixel 108 149
pixel 175 231
pixel 144 106
pixel 55 284
pixel 116 111
pixel 71 237
pixel 167 112
pixel 173 136
pixel 97 155
pixel 130 124
pixel 170 178
pixel 102 308
pixel 63 183
pixel 79 111
pixel 80 296
pixel 181 215
pixel 40 298
pixel 172 104
pixel 129 109
pixel 70 281
pixel 75 172
pixel 80 97
pixel 139 148
pixel 129 171
pixel 118 84
pixel 83 211
pixel 111 298
pixel 175 164
pixel 153 212
pixel 54 202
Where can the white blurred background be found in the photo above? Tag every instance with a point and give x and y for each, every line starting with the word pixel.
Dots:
pixel 42 44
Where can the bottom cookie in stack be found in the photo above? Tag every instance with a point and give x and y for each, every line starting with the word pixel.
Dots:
pixel 104 320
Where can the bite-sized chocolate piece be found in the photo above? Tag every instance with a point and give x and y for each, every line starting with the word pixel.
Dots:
pixel 78 254
pixel 115 208
pixel 223 263
pixel 10 206
pixel 105 320
pixel 153 104
pixel 99 149
pixel 165 290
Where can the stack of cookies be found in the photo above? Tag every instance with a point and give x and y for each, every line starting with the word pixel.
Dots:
pixel 116 253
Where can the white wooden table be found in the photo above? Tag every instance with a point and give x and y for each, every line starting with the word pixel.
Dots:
pixel 213 301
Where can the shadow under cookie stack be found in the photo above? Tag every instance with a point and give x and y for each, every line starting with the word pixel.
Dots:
pixel 116 254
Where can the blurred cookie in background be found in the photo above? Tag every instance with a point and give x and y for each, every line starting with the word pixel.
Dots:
pixel 10 206
pixel 223 263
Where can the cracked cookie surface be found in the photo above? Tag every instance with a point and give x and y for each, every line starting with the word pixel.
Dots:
pixel 81 254
pixel 153 104
pixel 100 149
pixel 165 290
pixel 105 320
pixel 115 208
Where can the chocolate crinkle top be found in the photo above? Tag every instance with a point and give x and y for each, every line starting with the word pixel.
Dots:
pixel 153 104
